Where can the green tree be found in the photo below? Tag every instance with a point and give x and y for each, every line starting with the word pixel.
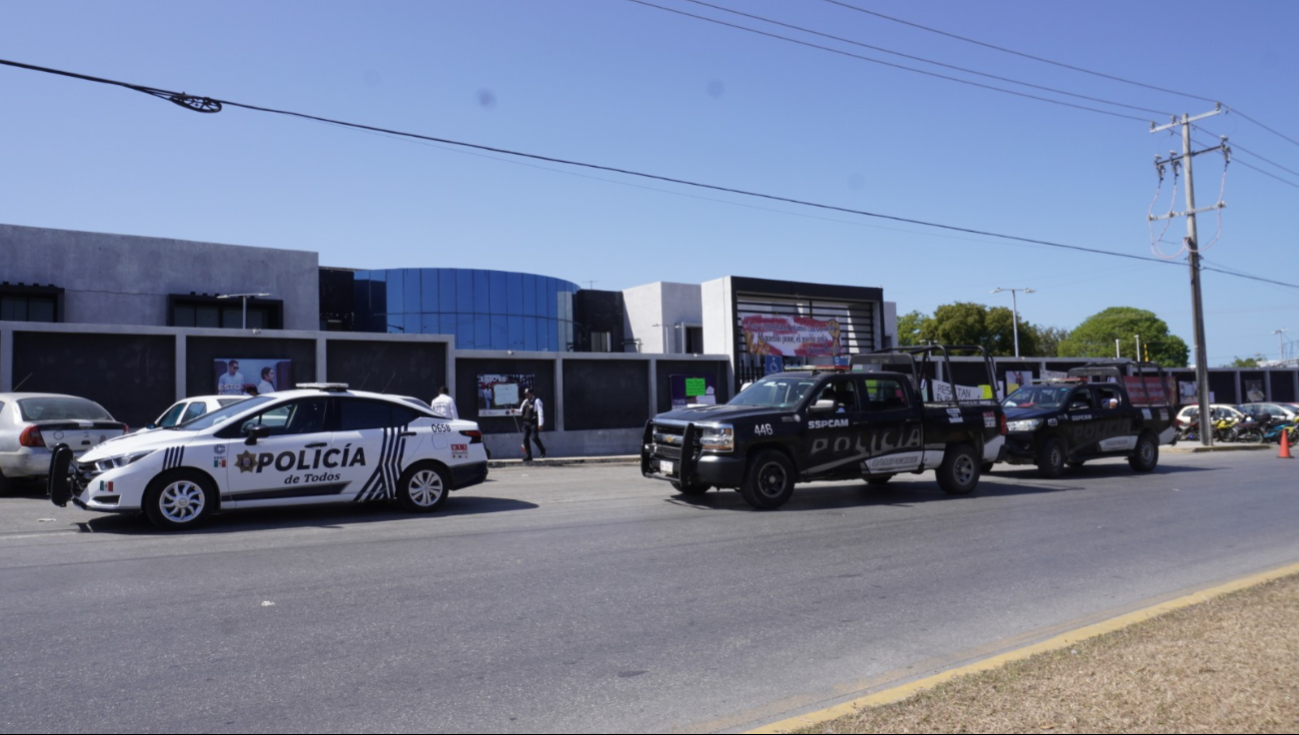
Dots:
pixel 1049 339
pixel 1247 362
pixel 909 325
pixel 965 323
pixel 1095 336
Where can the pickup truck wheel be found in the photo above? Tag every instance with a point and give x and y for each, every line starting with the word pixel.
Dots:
pixel 693 488
pixel 1147 454
pixel 878 479
pixel 959 472
pixel 1050 458
pixel 769 480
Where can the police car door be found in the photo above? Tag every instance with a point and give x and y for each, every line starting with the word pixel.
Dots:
pixel 1085 423
pixel 290 465
pixel 893 428
pixel 835 439
pixel 377 441
pixel 1118 430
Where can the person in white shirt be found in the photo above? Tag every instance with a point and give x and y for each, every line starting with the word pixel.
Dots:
pixel 266 386
pixel 232 383
pixel 444 405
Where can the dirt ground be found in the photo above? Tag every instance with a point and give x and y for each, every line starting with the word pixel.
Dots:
pixel 1230 664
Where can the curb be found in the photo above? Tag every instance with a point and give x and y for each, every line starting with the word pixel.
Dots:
pixel 1216 448
pixel 1055 643
pixel 565 461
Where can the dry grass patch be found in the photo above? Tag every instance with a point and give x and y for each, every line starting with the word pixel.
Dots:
pixel 1227 665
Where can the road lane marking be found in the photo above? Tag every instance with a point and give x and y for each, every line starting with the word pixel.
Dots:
pixel 1064 640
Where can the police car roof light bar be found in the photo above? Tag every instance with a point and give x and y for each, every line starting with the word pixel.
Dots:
pixel 330 387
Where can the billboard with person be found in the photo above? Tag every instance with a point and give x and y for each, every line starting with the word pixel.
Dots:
pixel 244 376
pixel 499 394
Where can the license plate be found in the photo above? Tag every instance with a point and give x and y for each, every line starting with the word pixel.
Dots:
pixel 666 467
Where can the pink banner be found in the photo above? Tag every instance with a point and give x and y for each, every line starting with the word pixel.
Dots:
pixel 788 336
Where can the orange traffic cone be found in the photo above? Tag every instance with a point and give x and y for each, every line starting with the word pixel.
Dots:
pixel 1285 446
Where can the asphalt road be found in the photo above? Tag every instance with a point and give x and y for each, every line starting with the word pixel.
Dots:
pixel 587 599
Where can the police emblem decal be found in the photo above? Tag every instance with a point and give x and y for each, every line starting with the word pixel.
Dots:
pixel 246 461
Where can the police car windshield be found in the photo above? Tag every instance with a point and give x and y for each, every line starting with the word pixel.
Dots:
pixel 774 391
pixel 1038 396
pixel 208 420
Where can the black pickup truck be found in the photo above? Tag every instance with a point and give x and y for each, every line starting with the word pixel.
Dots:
pixel 869 422
pixel 1089 415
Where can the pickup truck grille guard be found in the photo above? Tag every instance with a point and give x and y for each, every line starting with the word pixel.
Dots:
pixel 686 465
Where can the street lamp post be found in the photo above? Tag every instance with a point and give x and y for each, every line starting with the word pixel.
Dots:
pixel 1014 310
pixel 244 298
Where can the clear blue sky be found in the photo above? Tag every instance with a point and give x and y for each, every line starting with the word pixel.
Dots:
pixel 620 84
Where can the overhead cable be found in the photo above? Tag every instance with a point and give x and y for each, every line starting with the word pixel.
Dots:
pixel 881 62
pixel 922 59
pixel 1019 53
pixel 221 103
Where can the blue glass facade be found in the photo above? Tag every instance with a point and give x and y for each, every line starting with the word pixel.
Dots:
pixel 485 310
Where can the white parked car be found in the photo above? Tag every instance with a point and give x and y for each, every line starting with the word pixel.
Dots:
pixel 31 423
pixel 319 444
pixel 191 408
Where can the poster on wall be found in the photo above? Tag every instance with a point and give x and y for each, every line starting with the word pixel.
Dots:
pixel 693 390
pixel 1254 391
pixel 1186 390
pixel 243 376
pixel 1017 378
pixel 499 394
pixel 790 336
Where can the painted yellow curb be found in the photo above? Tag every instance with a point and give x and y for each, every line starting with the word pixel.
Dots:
pixel 1064 640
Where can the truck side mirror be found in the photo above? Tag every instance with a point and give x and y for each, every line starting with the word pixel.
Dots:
pixel 825 405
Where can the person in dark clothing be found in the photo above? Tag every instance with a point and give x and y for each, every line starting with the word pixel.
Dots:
pixel 534 420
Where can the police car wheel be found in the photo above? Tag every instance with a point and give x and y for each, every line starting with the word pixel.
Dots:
pixel 693 488
pixel 1051 458
pixel 769 481
pixel 4 484
pixel 423 488
pixel 178 500
pixel 1147 455
pixel 959 472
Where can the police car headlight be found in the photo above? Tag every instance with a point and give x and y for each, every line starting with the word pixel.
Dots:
pixel 1025 425
pixel 121 460
pixel 720 438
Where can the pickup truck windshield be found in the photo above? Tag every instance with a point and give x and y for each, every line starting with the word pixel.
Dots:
pixel 1038 396
pixel 775 391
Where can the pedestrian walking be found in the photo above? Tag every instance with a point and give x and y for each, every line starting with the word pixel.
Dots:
pixel 533 414
pixel 444 405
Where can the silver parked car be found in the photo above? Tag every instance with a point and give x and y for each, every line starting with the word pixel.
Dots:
pixel 31 423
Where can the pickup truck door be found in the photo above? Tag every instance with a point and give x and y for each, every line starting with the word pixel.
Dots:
pixel 1119 426
pixel 836 438
pixel 893 427
pixel 1085 422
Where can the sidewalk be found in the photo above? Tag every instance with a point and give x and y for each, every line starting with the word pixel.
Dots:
pixel 627 459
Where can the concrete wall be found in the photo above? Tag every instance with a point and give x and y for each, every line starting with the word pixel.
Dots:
pixel 143 271
pixel 658 313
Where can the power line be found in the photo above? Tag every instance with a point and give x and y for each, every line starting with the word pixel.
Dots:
pixel 1248 165
pixel 1019 53
pixel 887 63
pixel 212 104
pixel 1061 64
pixel 908 56
pixel 1237 147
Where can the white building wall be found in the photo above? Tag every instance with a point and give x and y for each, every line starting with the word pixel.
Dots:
pixel 719 322
pixel 658 313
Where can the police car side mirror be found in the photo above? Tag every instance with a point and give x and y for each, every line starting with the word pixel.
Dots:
pixel 255 432
pixel 1078 406
pixel 825 405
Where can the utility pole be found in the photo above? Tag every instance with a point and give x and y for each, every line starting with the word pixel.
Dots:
pixel 1014 310
pixel 1280 342
pixel 1193 248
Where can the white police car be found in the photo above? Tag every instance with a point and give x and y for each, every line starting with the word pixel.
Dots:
pixel 319 444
